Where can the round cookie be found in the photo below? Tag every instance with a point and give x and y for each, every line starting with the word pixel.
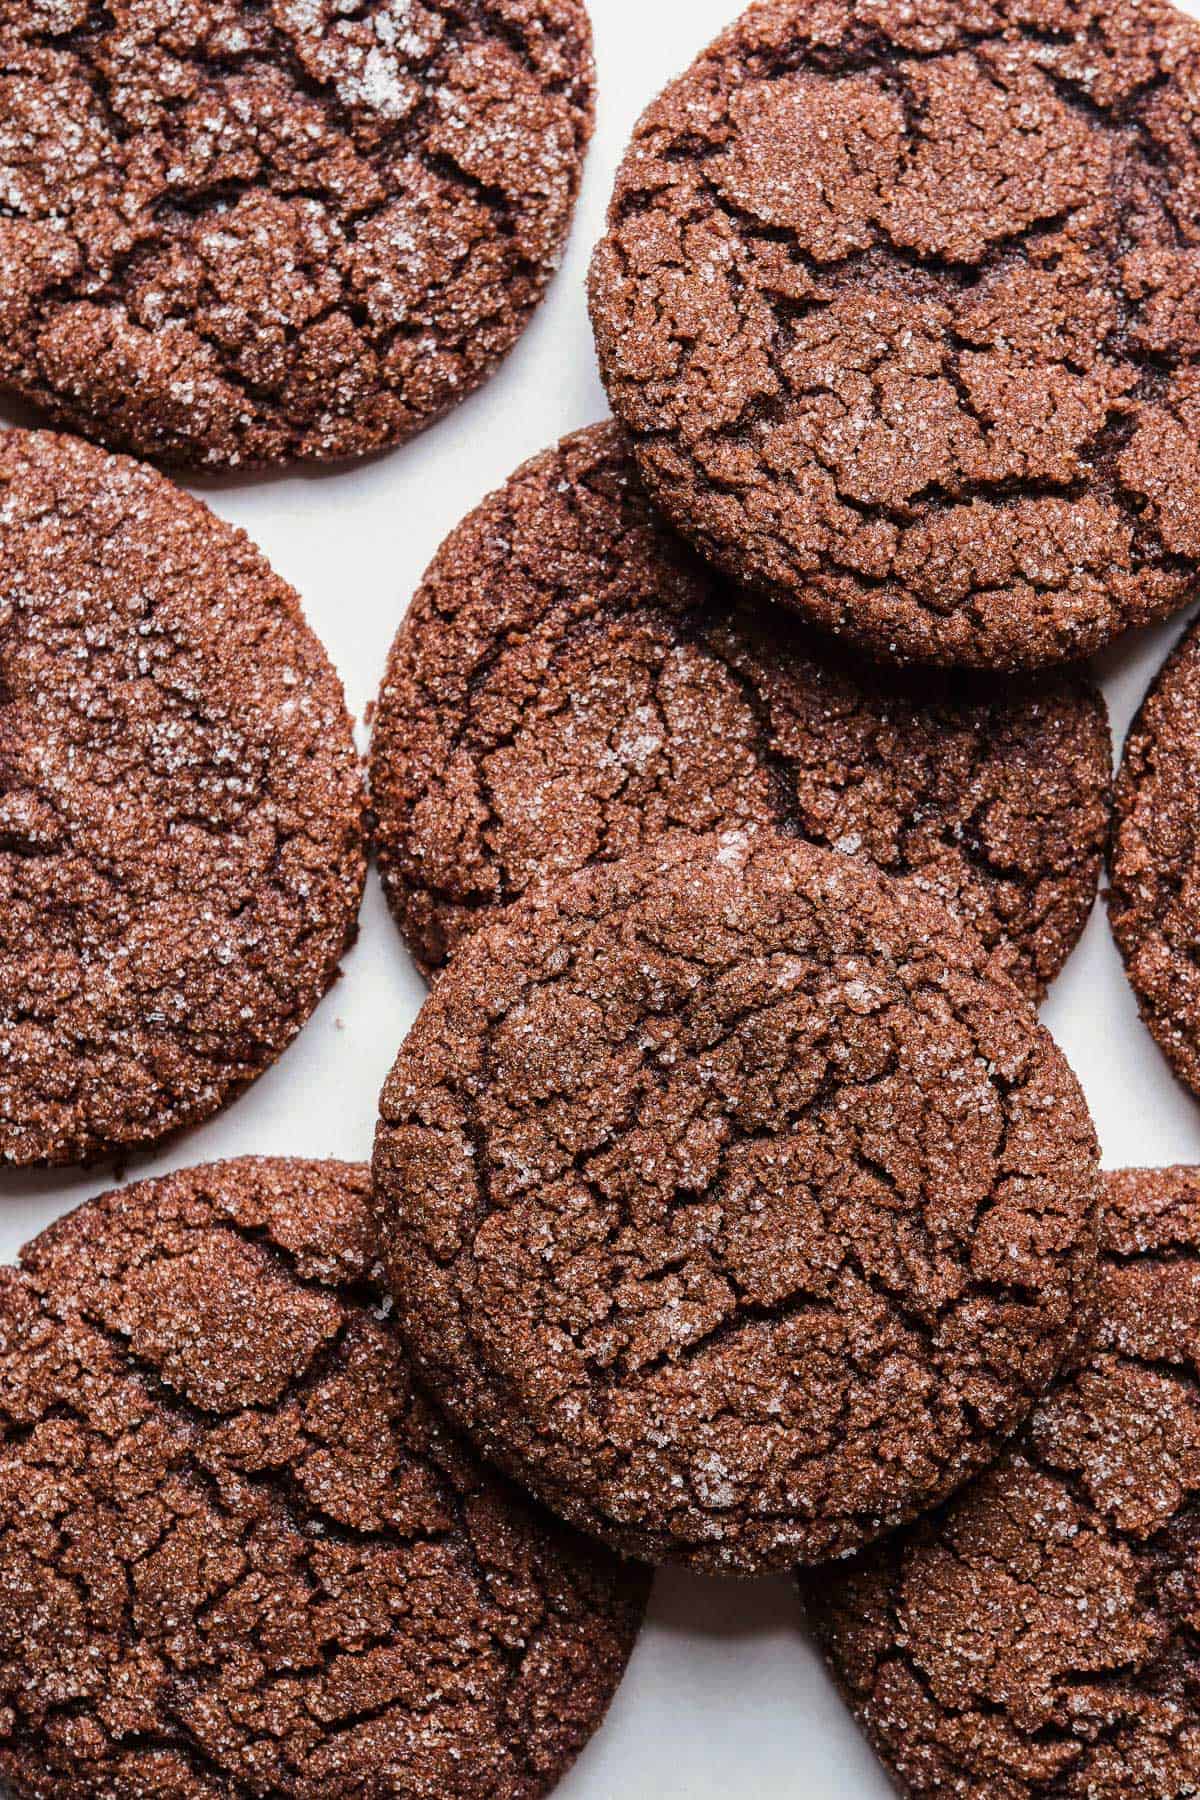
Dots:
pixel 239 1553
pixel 731 1203
pixel 181 807
pixel 898 304
pixel 242 232
pixel 1154 902
pixel 570 681
pixel 1037 1638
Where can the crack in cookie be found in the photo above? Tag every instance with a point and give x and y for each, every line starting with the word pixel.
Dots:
pixel 732 1202
pixel 239 1552
pixel 570 680
pixel 895 304
pixel 237 234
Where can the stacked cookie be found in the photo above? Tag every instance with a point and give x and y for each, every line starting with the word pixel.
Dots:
pixel 735 783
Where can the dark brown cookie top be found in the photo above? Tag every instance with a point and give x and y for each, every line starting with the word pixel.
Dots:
pixel 1154 900
pixel 239 1554
pixel 898 303
pixel 571 681
pixel 181 807
pixel 246 231
pixel 732 1203
pixel 1038 1637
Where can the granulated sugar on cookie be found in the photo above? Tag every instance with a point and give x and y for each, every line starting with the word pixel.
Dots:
pixel 570 680
pixel 732 1203
pixel 181 807
pixel 898 305
pixel 239 1552
pixel 238 234
pixel 1036 1638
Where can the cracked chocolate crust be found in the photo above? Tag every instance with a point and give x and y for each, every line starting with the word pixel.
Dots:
pixel 239 1553
pixel 731 1203
pixel 181 807
pixel 899 306
pixel 242 232
pixel 1154 902
pixel 570 681
pixel 1036 1640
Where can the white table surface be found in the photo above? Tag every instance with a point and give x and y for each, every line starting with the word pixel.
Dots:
pixel 724 1697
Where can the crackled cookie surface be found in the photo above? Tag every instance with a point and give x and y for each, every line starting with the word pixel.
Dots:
pixel 731 1203
pixel 181 807
pixel 571 681
pixel 246 231
pixel 899 305
pixel 239 1553
pixel 1036 1639
pixel 1154 903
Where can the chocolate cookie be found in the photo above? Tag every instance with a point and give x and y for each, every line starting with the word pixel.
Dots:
pixel 1154 902
pixel 239 1554
pixel 732 1203
pixel 1037 1638
pixel 899 304
pixel 570 681
pixel 246 231
pixel 181 807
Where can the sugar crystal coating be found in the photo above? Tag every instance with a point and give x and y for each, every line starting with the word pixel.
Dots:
pixel 732 1202
pixel 181 807
pixel 898 304
pixel 244 231
pixel 239 1553
pixel 570 680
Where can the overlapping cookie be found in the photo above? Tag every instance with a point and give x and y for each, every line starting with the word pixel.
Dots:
pixel 732 1202
pixel 571 681
pixel 897 303
pixel 1037 1638
pixel 239 1552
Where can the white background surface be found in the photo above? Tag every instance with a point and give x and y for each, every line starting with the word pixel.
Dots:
pixel 723 1697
